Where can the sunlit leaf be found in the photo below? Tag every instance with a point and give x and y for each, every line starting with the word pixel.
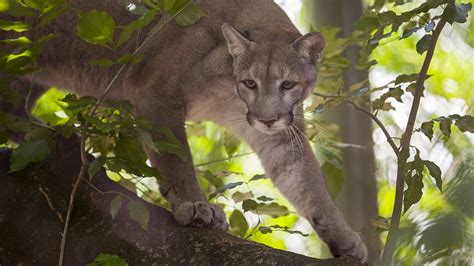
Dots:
pixel 17 26
pixel 108 260
pixel 96 27
pixel 272 209
pixel 239 196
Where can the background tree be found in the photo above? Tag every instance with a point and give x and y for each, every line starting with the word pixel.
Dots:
pixel 394 38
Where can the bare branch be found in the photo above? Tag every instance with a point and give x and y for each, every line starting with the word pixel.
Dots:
pixel 405 144
pixel 380 124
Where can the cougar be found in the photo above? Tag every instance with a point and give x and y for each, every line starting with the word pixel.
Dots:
pixel 244 66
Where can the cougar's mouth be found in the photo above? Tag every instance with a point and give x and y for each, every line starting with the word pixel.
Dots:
pixel 271 125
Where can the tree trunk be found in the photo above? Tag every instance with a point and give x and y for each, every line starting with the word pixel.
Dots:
pixel 358 196
pixel 33 204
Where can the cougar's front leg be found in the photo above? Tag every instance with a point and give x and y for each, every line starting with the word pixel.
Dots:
pixel 289 161
pixel 179 185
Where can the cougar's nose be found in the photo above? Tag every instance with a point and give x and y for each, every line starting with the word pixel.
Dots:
pixel 268 122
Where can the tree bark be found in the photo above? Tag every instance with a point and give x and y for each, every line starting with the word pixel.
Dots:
pixel 33 204
pixel 358 196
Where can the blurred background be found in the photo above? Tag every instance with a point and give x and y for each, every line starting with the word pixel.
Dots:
pixel 358 163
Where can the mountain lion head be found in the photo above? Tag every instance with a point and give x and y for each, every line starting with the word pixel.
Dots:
pixel 273 78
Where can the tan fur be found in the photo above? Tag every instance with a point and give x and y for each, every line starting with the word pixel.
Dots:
pixel 196 73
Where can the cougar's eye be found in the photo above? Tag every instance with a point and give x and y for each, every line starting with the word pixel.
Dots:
pixel 288 85
pixel 251 84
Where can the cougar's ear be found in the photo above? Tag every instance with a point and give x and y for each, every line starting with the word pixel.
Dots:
pixel 236 43
pixel 311 46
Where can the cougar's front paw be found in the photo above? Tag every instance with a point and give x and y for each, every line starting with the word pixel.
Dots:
pixel 348 245
pixel 201 214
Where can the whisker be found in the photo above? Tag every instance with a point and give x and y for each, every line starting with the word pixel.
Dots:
pixel 302 133
pixel 298 142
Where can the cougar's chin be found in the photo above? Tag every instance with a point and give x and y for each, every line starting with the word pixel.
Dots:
pixel 274 129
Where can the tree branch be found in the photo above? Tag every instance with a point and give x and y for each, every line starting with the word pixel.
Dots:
pixel 380 124
pixel 28 227
pixel 404 152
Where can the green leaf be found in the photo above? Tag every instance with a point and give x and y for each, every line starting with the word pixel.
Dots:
pixel 189 14
pixel 414 181
pixel 96 27
pixel 427 129
pixel 131 28
pixel 424 43
pixel 53 14
pixel 367 23
pixel 139 213
pixel 264 198
pixel 249 205
pixel 272 209
pixel 130 149
pixel 414 191
pixel 456 13
pixel 17 26
pixel 287 230
pixel 108 260
pixel 95 166
pixel 28 152
pixel 239 196
pixel 223 188
pixel 465 123
pixel 115 206
pixel 257 177
pixel 23 41
pixel 462 11
pixel 238 223
pixel 380 103
pixel 435 172
pixel 445 126
pixel 407 32
pixel 265 229
pixel 406 78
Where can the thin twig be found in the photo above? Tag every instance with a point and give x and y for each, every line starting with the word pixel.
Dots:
pixel 380 124
pixel 72 197
pixel 223 160
pixel 325 96
pixel 404 152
